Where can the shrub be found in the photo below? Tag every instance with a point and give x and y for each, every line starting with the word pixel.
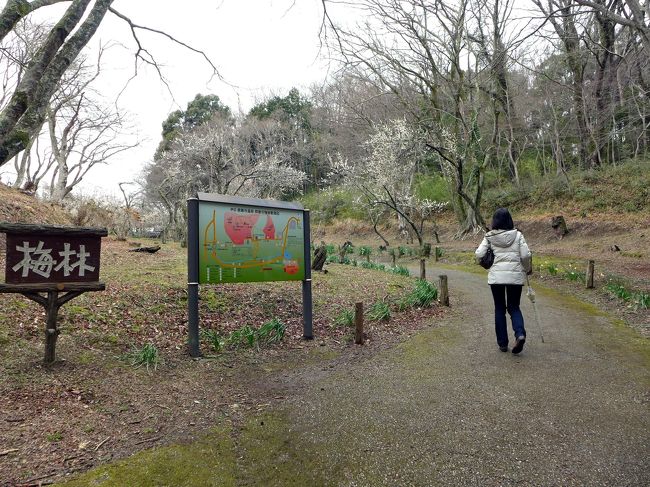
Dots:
pixel 332 204
pixel 365 251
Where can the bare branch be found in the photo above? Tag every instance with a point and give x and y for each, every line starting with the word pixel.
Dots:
pixel 133 26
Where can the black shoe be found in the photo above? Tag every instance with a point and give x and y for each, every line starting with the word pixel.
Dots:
pixel 519 346
pixel 503 349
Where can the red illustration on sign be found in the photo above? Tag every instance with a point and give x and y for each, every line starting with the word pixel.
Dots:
pixel 269 229
pixel 239 228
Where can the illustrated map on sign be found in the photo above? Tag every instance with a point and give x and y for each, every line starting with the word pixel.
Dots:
pixel 245 243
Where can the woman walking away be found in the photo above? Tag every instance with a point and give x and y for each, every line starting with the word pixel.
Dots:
pixel 506 276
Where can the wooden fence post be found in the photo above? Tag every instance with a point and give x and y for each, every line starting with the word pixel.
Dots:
pixel 358 323
pixel 423 269
pixel 589 280
pixel 443 291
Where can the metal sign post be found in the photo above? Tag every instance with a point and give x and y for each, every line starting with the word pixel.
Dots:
pixel 233 239
pixel 52 260
pixel 308 332
pixel 193 276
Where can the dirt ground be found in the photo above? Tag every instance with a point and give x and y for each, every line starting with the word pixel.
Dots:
pixel 93 408
pixel 442 407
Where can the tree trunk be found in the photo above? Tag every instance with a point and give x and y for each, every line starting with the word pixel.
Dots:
pixel 23 116
pixel 21 167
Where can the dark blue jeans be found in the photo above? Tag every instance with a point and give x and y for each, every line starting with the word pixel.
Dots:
pixel 510 294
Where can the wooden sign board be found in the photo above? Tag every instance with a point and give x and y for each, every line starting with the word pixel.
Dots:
pixel 53 260
pixel 41 254
pixel 41 259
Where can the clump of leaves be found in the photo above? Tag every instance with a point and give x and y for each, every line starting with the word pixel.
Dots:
pixel 573 275
pixel 272 331
pixel 439 252
pixel 245 335
pixel 147 356
pixel 379 311
pixel 642 300
pixel 400 270
pixel 54 437
pixel 344 318
pixel 216 341
pixel 551 268
pixel 424 294
pixel 619 291
pixel 365 251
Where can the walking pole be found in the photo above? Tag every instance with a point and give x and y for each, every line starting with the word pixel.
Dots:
pixel 531 295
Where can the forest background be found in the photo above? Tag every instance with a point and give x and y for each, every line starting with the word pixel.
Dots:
pixel 428 107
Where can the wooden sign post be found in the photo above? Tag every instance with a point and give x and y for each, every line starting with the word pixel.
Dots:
pixel 51 265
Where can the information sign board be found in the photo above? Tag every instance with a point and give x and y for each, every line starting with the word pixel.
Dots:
pixel 244 243
pixel 232 239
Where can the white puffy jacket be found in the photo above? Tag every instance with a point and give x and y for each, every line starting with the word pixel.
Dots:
pixel 510 250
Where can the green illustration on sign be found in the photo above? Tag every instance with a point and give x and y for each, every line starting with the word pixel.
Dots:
pixel 240 243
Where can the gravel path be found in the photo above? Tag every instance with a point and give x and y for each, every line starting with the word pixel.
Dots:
pixel 447 408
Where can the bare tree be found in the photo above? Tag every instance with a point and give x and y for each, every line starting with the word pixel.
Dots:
pixel 416 51
pixel 26 109
pixel 238 157
pixel 386 177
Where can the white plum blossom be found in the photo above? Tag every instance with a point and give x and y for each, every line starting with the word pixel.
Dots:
pixel 387 176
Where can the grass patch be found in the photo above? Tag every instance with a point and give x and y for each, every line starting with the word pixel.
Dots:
pixel 214 339
pixel 423 295
pixel 379 311
pixel 272 331
pixel 344 318
pixel 147 356
pixel 400 270
pixel 54 437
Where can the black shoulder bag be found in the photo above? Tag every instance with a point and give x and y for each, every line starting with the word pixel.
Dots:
pixel 488 259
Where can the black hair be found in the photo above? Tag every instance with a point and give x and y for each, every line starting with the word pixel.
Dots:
pixel 502 220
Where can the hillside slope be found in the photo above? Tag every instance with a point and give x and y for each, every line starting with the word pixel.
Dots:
pixel 18 207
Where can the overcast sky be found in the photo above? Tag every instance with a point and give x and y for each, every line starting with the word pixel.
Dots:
pixel 259 47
